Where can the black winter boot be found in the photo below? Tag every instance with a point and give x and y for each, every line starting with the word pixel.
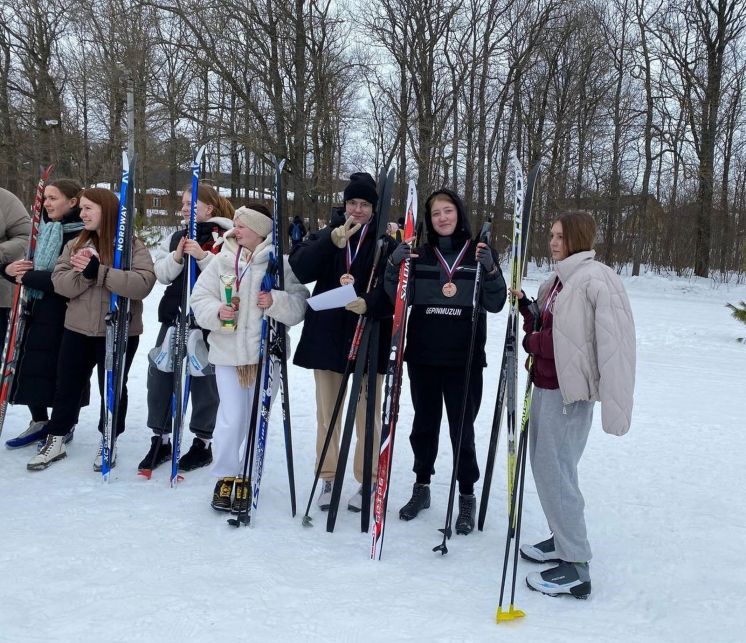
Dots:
pixel 465 520
pixel 221 497
pixel 199 455
pixel 420 500
pixel 157 455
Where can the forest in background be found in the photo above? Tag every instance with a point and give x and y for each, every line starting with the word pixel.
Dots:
pixel 636 107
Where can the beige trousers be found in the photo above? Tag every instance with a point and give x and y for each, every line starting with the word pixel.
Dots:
pixel 327 388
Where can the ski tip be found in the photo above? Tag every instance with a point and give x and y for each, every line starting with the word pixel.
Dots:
pixel 145 473
pixel 307 521
pixel 511 615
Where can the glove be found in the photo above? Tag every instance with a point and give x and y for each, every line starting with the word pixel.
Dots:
pixel 401 253
pixel 484 256
pixel 359 307
pixel 341 234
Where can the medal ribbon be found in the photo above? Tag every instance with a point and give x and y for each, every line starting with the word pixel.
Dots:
pixel 450 270
pixel 550 300
pixel 240 276
pixel 351 257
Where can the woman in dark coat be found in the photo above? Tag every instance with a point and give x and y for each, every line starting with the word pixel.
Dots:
pixel 36 373
pixel 438 338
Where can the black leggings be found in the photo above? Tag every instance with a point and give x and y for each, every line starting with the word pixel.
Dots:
pixel 78 355
pixel 431 386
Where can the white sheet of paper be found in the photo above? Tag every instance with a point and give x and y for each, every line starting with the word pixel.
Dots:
pixel 334 298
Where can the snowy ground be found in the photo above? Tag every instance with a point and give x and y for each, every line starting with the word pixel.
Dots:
pixel 137 561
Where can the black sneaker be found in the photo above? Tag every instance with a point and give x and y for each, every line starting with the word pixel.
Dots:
pixel 571 579
pixel 199 455
pixel 158 454
pixel 465 520
pixel 221 497
pixel 242 499
pixel 420 500
pixel 542 552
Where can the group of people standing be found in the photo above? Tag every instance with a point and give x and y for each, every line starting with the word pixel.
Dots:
pixel 71 277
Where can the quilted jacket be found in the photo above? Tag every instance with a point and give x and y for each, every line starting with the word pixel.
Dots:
pixel 594 338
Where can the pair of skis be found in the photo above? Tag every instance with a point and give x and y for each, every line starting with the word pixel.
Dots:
pixel 506 390
pixel 118 318
pixel 19 308
pixel 272 362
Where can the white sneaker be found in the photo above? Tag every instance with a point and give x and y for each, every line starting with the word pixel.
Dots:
pixel 325 497
pixel 53 449
pixel 355 503
pixel 98 460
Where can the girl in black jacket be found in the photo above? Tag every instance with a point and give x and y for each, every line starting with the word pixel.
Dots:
pixel 438 335
pixel 35 377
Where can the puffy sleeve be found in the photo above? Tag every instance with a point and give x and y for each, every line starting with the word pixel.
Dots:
pixel 289 305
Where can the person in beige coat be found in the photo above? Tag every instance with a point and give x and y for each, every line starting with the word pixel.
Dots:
pixel 15 230
pixel 84 275
pixel 583 352
pixel 235 336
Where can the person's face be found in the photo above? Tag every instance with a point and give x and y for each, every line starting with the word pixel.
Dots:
pixel 57 204
pixel 444 217
pixel 245 236
pixel 203 212
pixel 360 210
pixel 90 213
pixel 557 242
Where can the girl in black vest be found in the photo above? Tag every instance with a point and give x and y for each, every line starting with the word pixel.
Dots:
pixel 214 218
pixel 36 372
pixel 438 335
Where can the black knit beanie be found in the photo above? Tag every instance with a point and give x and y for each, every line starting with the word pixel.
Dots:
pixel 361 186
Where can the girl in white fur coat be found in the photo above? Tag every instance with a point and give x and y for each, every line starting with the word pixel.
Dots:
pixel 235 333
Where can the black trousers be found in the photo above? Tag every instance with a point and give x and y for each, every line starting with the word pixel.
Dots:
pixel 203 398
pixel 78 355
pixel 431 386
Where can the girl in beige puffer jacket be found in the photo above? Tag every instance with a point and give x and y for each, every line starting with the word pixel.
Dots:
pixel 84 275
pixel 584 351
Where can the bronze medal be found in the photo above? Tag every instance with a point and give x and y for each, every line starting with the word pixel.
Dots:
pixel 347 279
pixel 449 289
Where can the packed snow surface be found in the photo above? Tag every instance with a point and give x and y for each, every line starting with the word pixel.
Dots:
pixel 135 560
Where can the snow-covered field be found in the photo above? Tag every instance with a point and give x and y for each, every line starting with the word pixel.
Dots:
pixel 137 561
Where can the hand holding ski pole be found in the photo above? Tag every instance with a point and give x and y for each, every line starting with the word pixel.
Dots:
pixel 264 299
pixel 402 252
pixel 341 234
pixel 484 256
pixel 192 248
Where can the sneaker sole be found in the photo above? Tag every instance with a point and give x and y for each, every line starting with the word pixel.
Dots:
pixel 582 591
pixel 43 465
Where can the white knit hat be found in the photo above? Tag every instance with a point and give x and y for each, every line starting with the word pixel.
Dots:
pixel 254 220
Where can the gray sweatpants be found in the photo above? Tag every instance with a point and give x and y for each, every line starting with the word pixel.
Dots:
pixel 557 436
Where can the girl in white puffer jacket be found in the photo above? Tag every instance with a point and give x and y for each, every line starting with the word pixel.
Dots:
pixel 235 334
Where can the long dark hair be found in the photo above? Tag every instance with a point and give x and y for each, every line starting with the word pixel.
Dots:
pixel 103 238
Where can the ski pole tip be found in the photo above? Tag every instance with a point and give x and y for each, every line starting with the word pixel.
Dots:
pixel 511 615
pixel 441 548
pixel 307 521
